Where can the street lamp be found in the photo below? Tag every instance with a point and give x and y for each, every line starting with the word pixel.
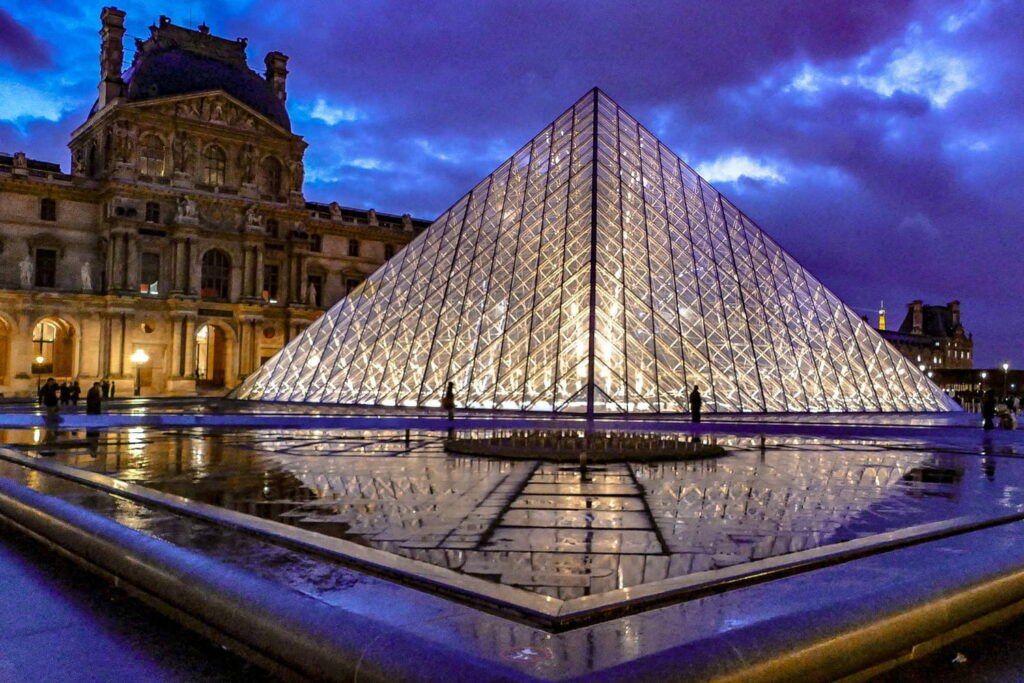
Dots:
pixel 39 360
pixel 138 357
pixel 1006 372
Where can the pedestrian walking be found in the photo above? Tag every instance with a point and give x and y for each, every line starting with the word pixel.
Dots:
pixel 111 389
pixel 988 410
pixel 695 403
pixel 94 399
pixel 448 401
pixel 50 398
pixel 65 393
pixel 105 388
pixel 76 393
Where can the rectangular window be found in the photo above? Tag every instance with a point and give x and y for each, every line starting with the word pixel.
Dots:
pixel 48 209
pixel 353 247
pixel 316 243
pixel 149 274
pixel 271 277
pixel 46 267
pixel 350 285
pixel 389 251
pixel 152 212
pixel 315 290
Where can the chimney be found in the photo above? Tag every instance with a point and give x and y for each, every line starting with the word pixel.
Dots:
pixel 954 309
pixel 111 55
pixel 916 316
pixel 277 73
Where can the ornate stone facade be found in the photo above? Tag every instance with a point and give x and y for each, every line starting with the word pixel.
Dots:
pixel 181 231
pixel 932 337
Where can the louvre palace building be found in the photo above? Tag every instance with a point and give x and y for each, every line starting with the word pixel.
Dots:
pixel 180 250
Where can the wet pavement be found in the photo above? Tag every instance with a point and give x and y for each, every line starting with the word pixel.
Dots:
pixel 559 530
pixel 540 528
pixel 61 623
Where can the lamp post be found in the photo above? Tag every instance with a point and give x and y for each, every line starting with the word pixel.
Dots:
pixel 39 378
pixel 1006 372
pixel 138 357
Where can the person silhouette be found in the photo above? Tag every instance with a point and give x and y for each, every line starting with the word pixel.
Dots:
pixel 695 403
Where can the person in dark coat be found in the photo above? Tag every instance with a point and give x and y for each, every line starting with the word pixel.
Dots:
pixel 448 401
pixel 111 394
pixel 50 398
pixel 94 399
pixel 695 403
pixel 76 392
pixel 105 387
pixel 988 409
pixel 65 393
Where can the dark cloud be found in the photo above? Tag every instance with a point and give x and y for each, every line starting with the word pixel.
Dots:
pixel 20 47
pixel 890 191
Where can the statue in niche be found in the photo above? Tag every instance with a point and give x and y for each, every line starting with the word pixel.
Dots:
pixel 187 208
pixel 183 150
pixel 26 267
pixel 252 218
pixel 77 163
pixel 86 274
pixel 124 141
pixel 311 294
pixel 297 173
pixel 247 163
pixel 335 210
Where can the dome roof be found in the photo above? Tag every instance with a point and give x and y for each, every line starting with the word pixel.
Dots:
pixel 169 71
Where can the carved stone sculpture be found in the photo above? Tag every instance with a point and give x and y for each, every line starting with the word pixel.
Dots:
pixel 183 150
pixel 26 267
pixel 247 163
pixel 335 210
pixel 188 212
pixel 252 218
pixel 86 274
pixel 311 294
pixel 297 173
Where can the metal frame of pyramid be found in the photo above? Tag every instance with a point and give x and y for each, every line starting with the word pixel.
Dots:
pixel 595 272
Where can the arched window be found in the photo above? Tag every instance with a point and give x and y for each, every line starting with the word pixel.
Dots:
pixel 273 227
pixel 151 156
pixel 214 165
pixel 52 347
pixel 216 278
pixel 270 176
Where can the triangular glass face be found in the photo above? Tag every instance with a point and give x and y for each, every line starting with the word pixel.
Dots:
pixel 595 271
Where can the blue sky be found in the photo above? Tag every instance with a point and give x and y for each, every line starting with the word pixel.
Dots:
pixel 879 141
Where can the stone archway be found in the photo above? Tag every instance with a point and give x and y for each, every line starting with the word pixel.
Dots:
pixel 53 348
pixel 211 356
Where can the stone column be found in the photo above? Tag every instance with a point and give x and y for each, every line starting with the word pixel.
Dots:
pixel 195 268
pixel 259 272
pixel 132 265
pixel 180 266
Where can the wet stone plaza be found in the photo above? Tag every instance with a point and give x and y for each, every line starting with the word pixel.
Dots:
pixel 552 529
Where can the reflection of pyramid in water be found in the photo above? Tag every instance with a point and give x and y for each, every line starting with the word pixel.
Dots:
pixel 594 270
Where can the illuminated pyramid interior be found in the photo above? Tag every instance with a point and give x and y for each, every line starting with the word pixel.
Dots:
pixel 594 271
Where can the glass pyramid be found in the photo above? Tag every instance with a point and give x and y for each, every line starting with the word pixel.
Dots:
pixel 595 271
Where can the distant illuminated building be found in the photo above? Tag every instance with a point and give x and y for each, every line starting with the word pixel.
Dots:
pixel 932 337
pixel 595 272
